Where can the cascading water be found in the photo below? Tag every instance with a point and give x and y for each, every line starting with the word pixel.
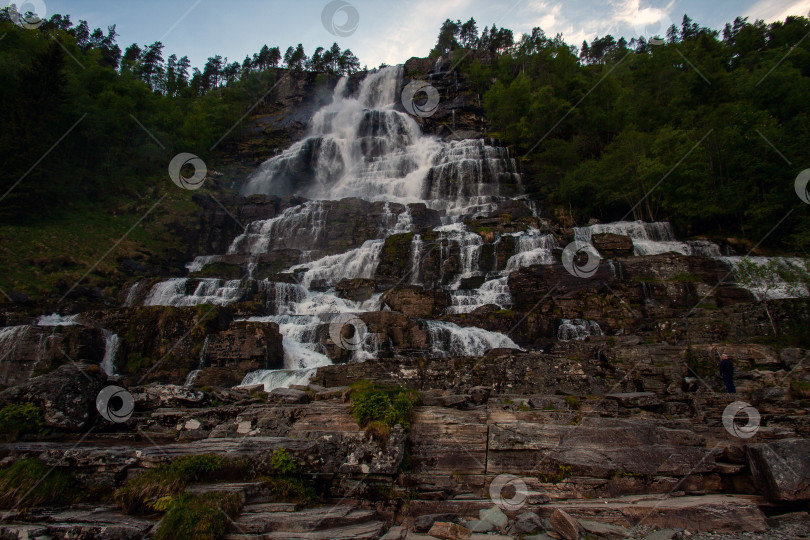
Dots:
pixel 192 375
pixel 360 146
pixel 110 350
pixel 448 339
pixel 577 329
pixel 649 238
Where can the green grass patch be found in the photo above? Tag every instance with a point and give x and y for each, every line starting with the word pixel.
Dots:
pixel 170 479
pixel 800 389
pixel 390 405
pixel 30 483
pixel 20 419
pixel 202 517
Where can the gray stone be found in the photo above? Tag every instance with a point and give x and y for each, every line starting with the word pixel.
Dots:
pixel 478 526
pixel 603 530
pixel 449 531
pixel 663 534
pixel 564 524
pixel 287 395
pixel 527 523
pixel 495 516
pixel 635 399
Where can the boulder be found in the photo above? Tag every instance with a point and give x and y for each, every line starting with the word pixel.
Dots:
pixel 426 521
pixel 246 346
pixel 603 530
pixel 166 395
pixel 449 531
pixel 565 525
pixel 612 245
pixel 528 523
pixel 287 395
pixel 66 396
pixel 781 469
pixel 495 516
pixel 414 301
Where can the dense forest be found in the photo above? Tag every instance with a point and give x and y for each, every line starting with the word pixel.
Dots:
pixel 63 77
pixel 706 128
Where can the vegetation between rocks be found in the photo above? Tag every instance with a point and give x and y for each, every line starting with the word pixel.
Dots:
pixel 388 405
pixel 30 483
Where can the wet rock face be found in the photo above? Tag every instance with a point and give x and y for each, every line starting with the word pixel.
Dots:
pixel 416 302
pixel 243 347
pixel 66 396
pixel 27 350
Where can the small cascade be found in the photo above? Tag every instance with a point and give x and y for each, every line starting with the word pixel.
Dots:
pixel 132 294
pixel 55 319
pixel 415 266
pixel 199 262
pixel 469 244
pixel 110 350
pixel 532 247
pixel 10 337
pixel 649 238
pixel 494 291
pixel 192 375
pixel 577 329
pixel 174 292
pixel 779 289
pixel 299 227
pixel 449 339
pixel 356 263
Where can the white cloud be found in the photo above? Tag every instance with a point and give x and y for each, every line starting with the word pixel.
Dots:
pixel 778 10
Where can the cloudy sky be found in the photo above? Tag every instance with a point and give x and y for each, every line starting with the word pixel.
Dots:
pixel 389 31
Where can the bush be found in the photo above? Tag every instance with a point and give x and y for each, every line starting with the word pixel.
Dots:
pixel 30 483
pixel 800 389
pixel 282 462
pixel 288 489
pixel 202 517
pixel 390 405
pixel 20 419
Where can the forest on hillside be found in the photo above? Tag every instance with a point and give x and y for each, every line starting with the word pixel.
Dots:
pixel 707 128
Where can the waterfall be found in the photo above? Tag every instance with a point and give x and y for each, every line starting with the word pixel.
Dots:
pixel 174 292
pixel 355 263
pixel 448 339
pixel 469 244
pixel 298 227
pixel 55 319
pixel 577 329
pixel 110 350
pixel 10 336
pixel 780 288
pixel 360 146
pixel 133 291
pixel 649 238
pixel 532 247
pixel 415 265
pixel 494 291
pixel 192 375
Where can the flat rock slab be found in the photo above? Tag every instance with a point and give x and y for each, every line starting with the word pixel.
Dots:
pixel 635 399
pixel 303 521
pixel 449 531
pixel 362 531
pixel 701 513
pixel 242 447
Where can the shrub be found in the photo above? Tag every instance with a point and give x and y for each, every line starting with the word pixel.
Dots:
pixel 30 483
pixel 202 517
pixel 282 462
pixel 379 431
pixel 20 419
pixel 390 405
pixel 288 489
pixel 800 389
pixel 573 402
